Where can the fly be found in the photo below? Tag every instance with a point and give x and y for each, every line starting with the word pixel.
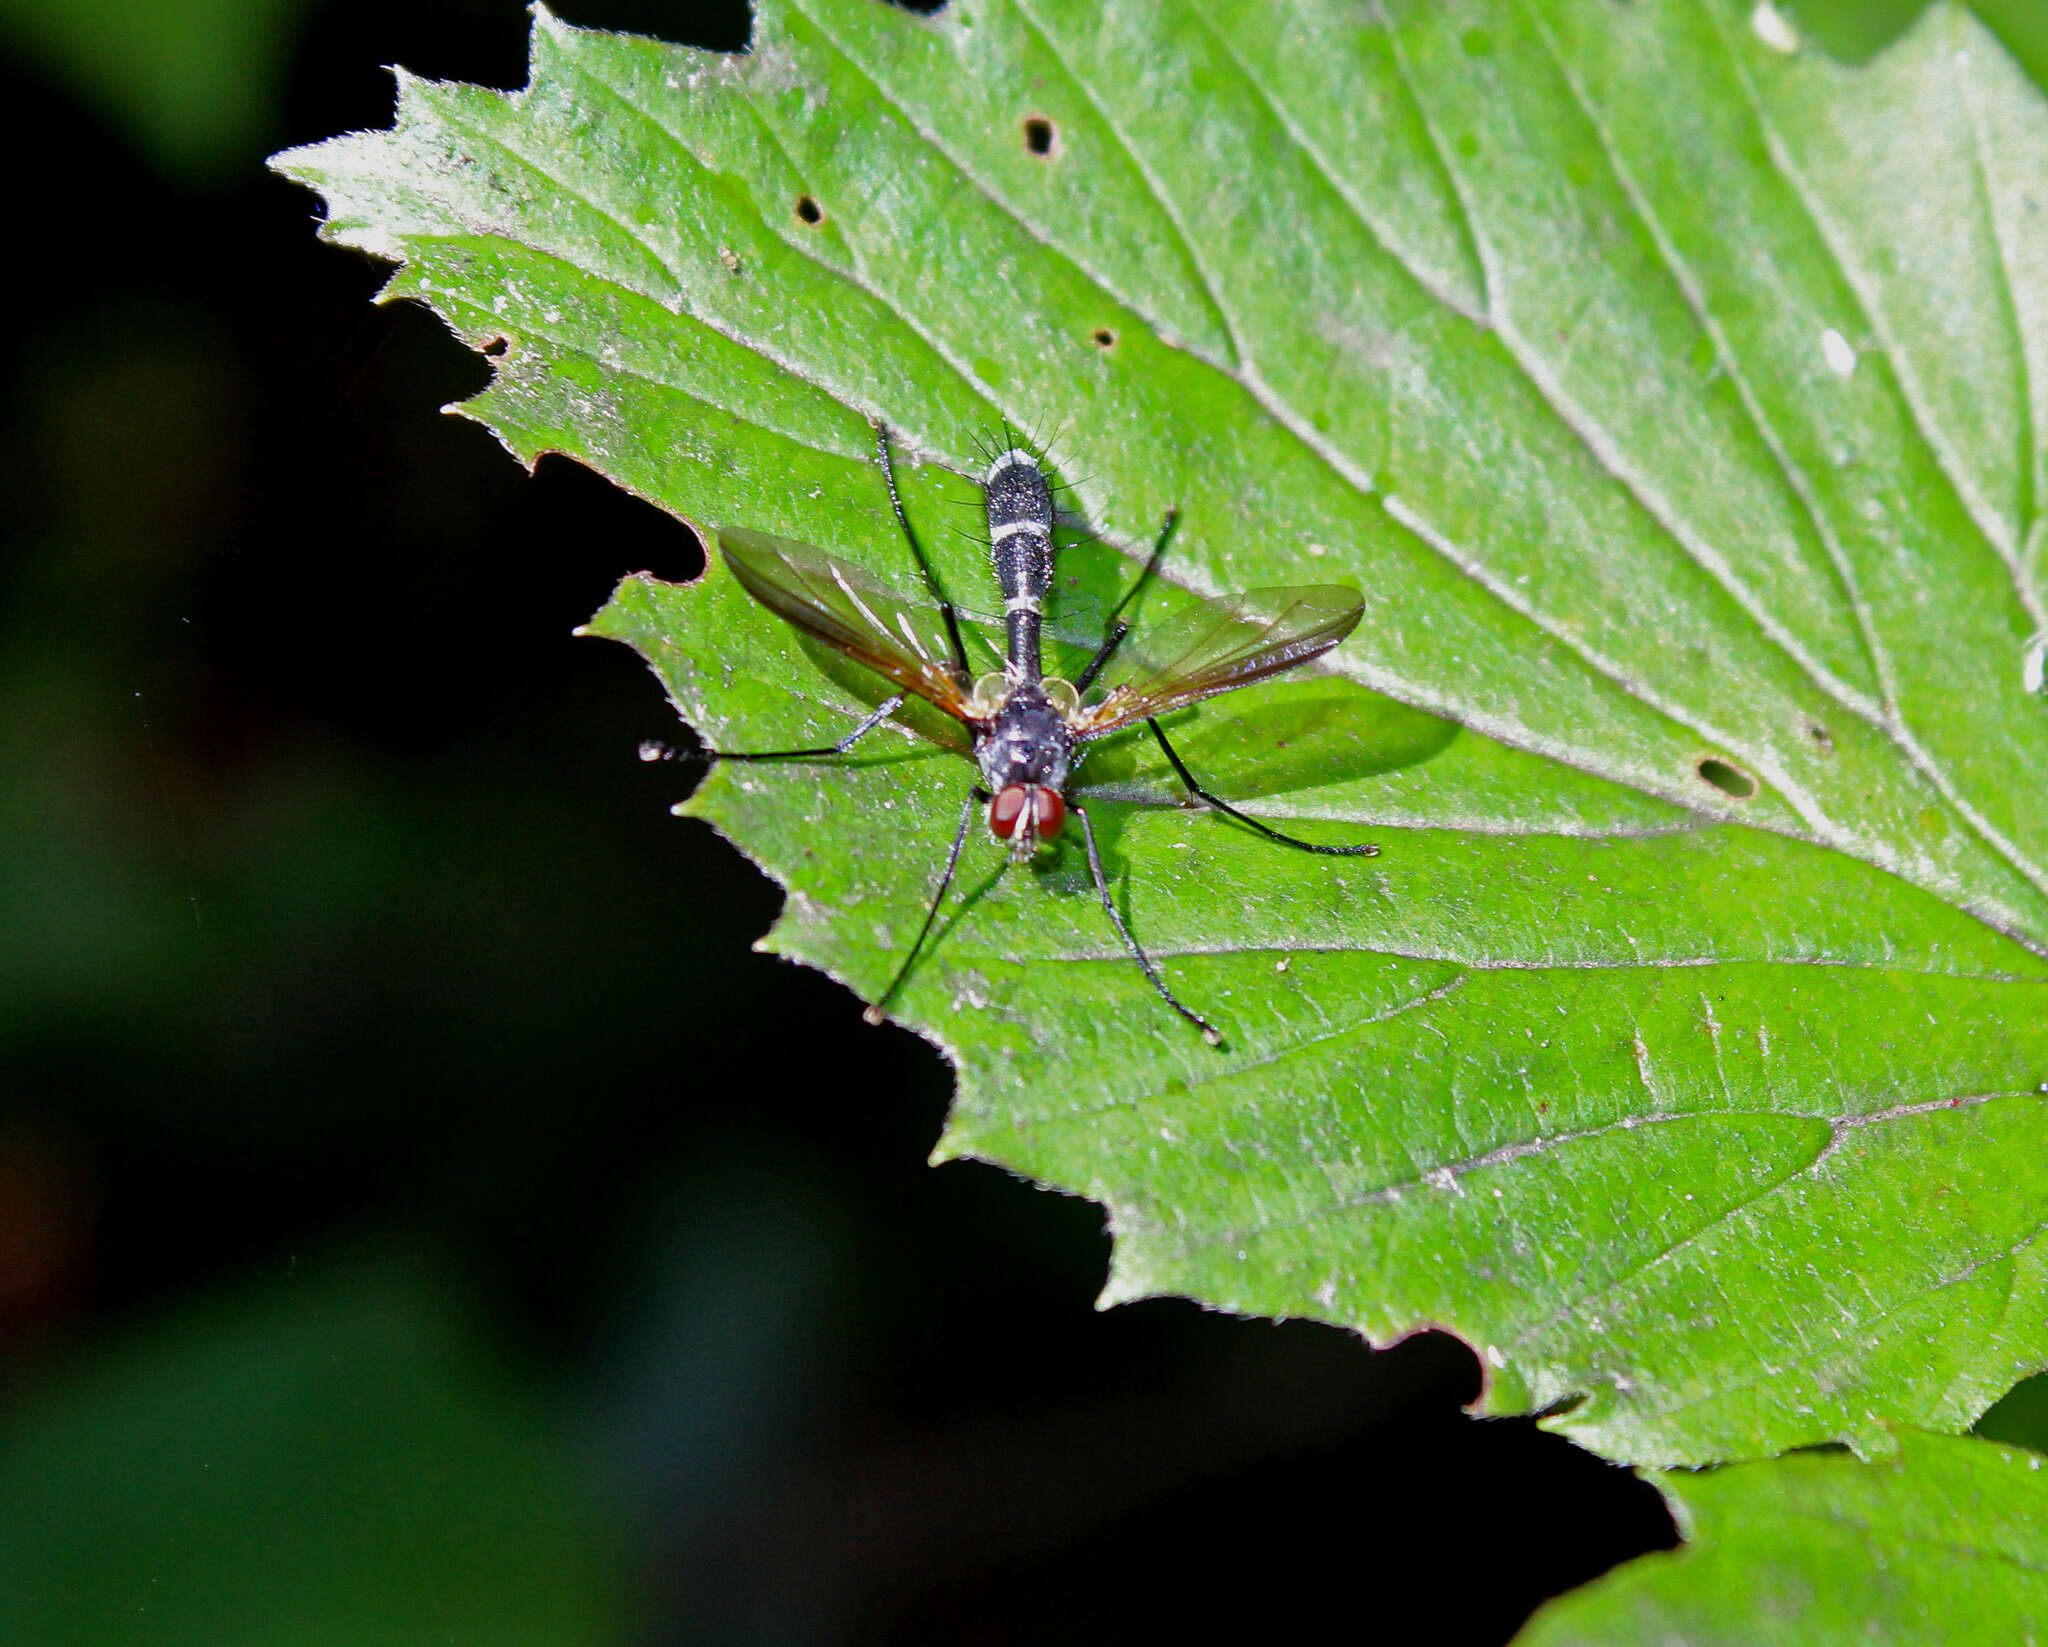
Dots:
pixel 1029 729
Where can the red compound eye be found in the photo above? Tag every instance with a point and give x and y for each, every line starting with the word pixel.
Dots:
pixel 1006 810
pixel 1033 808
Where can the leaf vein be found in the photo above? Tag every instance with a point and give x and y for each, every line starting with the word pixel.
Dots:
pixel 1974 506
pixel 969 178
pixel 1224 317
pixel 1683 278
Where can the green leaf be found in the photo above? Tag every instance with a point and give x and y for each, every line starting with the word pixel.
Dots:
pixel 1666 392
pixel 1948 1541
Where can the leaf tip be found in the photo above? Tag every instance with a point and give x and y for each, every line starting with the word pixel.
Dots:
pixel 1123 1284
pixel 293 162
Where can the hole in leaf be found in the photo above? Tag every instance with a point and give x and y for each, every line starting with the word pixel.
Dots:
pixel 808 209
pixel 1038 135
pixel 1729 779
pixel 496 346
pixel 1104 337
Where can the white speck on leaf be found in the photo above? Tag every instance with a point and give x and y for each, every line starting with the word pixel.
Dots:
pixel 1840 356
pixel 1772 29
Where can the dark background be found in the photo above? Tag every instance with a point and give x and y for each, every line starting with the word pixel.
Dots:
pixel 422 1218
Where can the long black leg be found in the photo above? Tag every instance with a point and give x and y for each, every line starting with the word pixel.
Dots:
pixel 882 711
pixel 1267 830
pixel 1210 1032
pixel 1117 627
pixel 977 798
pixel 931 579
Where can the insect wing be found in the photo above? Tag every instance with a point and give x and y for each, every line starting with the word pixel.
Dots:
pixel 841 606
pixel 1243 638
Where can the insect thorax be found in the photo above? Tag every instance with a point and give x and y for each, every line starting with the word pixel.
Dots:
pixel 1026 739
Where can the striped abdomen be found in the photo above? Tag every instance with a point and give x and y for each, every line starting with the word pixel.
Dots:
pixel 1020 545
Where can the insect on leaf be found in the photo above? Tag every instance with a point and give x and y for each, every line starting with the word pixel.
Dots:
pixel 1670 394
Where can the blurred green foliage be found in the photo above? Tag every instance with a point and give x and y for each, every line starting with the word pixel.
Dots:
pixel 194 83
pixel 327 1462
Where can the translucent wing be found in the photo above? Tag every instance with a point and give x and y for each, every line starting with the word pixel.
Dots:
pixel 849 612
pixel 1229 643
